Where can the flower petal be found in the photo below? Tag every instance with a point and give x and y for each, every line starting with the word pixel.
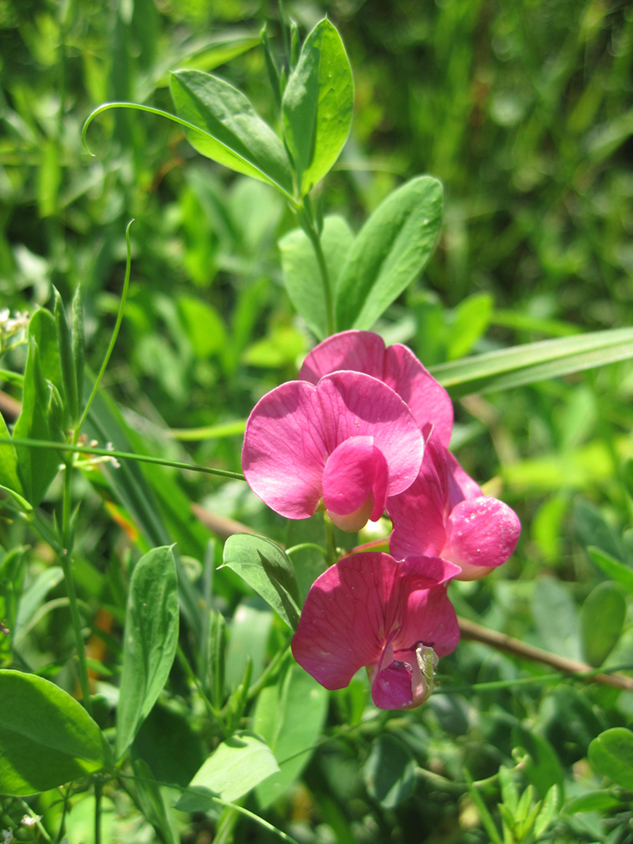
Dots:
pixel 356 405
pixel 428 401
pixel 482 534
pixel 418 514
pixel 285 451
pixel 342 626
pixel 355 482
pixel 397 366
pixel 391 688
pixel 428 615
pixel 359 351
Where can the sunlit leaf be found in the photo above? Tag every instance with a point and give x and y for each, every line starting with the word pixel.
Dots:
pixel 151 638
pixel 390 251
pixel 230 131
pixel 46 737
pixel 235 767
pixel 268 570
pixel 611 754
pixel 317 105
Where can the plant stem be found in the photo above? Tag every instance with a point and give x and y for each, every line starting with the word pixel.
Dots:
pixel 66 562
pixel 121 455
pixel 501 642
pixel 325 278
pixel 331 540
pixel 191 676
pixel 98 789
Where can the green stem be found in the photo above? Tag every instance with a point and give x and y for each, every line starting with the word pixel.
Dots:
pixel 331 540
pixel 98 790
pixel 306 546
pixel 66 562
pixel 325 278
pixel 191 675
pixel 121 455
pixel 115 334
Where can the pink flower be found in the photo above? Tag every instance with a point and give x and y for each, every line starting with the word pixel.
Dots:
pixel 348 442
pixel 393 618
pixel 397 366
pixel 444 513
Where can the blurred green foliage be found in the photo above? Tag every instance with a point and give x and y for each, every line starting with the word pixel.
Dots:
pixel 524 111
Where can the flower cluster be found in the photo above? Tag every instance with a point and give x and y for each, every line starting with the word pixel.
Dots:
pixel 365 429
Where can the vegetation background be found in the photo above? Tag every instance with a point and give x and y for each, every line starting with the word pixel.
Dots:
pixel 524 111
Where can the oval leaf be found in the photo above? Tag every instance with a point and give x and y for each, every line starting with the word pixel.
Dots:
pixel 389 771
pixel 290 716
pixel 611 754
pixel 235 766
pixel 301 271
pixel 46 737
pixel 390 251
pixel 612 568
pixel 317 105
pixel 151 638
pixel 601 621
pixel 267 569
pixel 231 132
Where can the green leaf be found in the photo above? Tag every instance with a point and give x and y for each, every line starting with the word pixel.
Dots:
pixel 471 319
pixel 390 251
pixel 64 344
pixel 212 660
pixel 301 271
pixel 151 496
pixel 36 468
pixel 249 632
pixel 555 616
pixel 594 530
pixel 203 326
pixel 268 570
pixel 601 621
pixel 151 801
pixel 79 344
pixel 612 568
pixel 389 771
pixel 507 368
pixel 35 594
pixel 627 476
pixel 44 331
pixel 543 768
pixel 168 744
pixel 594 801
pixel 151 639
pixel 235 767
pixel 46 737
pixel 230 131
pixel 8 461
pixel 509 791
pixel 611 754
pixel 289 716
pixel 484 814
pixel 317 105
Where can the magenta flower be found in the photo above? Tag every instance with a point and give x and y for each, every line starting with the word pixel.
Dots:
pixel 397 366
pixel 445 514
pixel 347 443
pixel 393 618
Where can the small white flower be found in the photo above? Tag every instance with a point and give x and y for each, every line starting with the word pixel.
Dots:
pixel 7 834
pixel 27 820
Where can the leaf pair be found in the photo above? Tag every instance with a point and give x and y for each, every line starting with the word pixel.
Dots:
pixel 317 112
pixel 370 271
pixel 47 738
